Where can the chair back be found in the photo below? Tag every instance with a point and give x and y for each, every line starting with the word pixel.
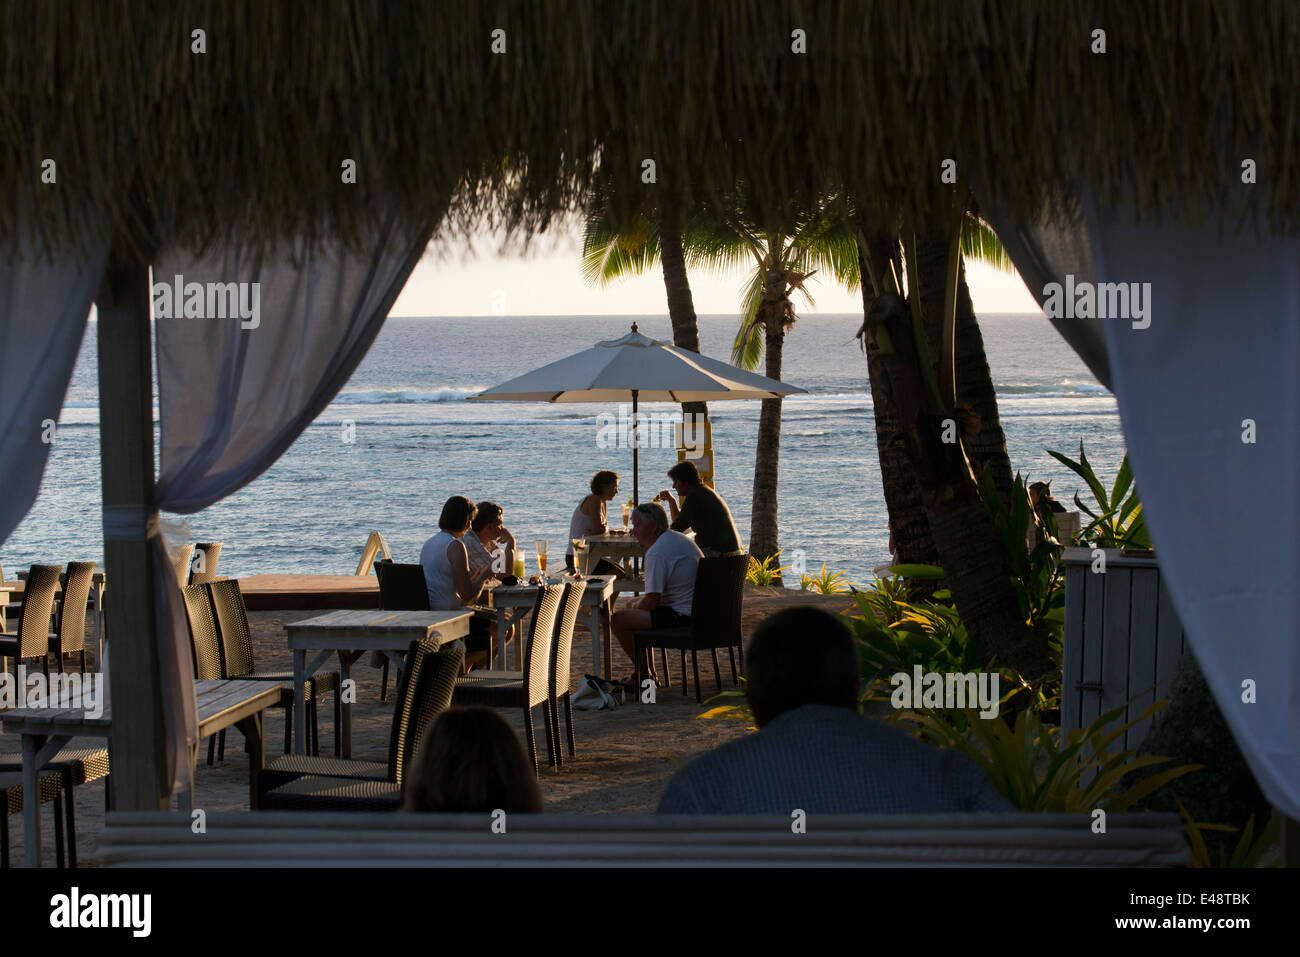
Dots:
pixel 38 605
pixel 541 639
pixel 72 610
pixel 402 587
pixel 181 563
pixel 205 643
pixel 232 626
pixel 210 553
pixel 717 604
pixel 408 682
pixel 564 623
pixel 432 697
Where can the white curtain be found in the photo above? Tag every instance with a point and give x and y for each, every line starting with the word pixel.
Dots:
pixel 1209 394
pixel 235 392
pixel 43 311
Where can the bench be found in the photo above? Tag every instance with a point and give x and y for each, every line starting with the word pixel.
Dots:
pixel 308 839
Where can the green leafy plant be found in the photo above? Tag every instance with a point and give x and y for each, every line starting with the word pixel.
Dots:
pixel 1117 521
pixel 1036 769
pixel 765 572
pixel 1036 572
pixel 926 634
pixel 826 583
pixel 1250 851
pixel 738 711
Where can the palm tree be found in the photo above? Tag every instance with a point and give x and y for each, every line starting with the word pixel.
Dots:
pixel 926 477
pixel 782 261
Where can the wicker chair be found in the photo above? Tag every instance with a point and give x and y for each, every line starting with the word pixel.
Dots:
pixel 401 588
pixel 211 552
pixel 237 662
pixel 425 690
pixel 205 646
pixel 560 685
pixel 11 802
pixel 70 636
pixel 181 563
pixel 526 689
pixel 715 620
pixel 33 638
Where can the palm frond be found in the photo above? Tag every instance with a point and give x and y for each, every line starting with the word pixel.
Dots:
pixel 747 348
pixel 607 255
pixel 979 243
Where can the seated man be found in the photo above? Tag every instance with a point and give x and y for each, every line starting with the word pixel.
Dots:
pixel 702 510
pixel 813 751
pixel 670 562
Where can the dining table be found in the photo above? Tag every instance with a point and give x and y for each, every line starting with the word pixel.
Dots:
pixel 512 602
pixel 46 727
pixel 616 546
pixel 350 633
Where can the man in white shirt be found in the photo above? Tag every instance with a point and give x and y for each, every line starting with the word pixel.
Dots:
pixel 670 564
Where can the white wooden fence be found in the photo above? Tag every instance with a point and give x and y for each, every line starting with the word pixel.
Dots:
pixel 1123 640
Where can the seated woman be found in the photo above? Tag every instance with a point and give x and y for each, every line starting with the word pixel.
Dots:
pixel 589 519
pixel 471 762
pixel 489 532
pixel 451 583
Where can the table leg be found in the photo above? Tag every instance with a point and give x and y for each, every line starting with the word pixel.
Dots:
pixel 502 614
pixel 255 746
pixel 609 642
pixel 299 701
pixel 345 710
pixel 31 800
pixel 592 615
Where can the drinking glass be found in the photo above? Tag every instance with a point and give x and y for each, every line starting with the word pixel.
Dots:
pixel 541 555
pixel 627 513
pixel 520 570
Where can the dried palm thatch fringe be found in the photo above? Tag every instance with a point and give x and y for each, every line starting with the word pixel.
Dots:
pixel 156 143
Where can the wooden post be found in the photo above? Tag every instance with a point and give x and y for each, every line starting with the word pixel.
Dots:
pixel 126 459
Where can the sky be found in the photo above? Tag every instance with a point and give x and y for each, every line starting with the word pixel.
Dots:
pixel 548 281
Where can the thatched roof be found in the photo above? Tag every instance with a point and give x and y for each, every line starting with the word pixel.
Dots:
pixel 152 138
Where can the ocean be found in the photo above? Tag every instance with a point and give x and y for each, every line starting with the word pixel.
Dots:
pixel 401 438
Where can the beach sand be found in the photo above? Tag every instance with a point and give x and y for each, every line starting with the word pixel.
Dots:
pixel 625 756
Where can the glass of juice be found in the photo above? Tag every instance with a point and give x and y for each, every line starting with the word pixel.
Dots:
pixel 541 555
pixel 520 571
pixel 579 554
pixel 627 513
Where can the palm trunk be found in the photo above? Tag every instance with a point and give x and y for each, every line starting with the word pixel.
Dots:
pixel 907 518
pixel 763 512
pixel 681 307
pixel 963 534
pixel 977 401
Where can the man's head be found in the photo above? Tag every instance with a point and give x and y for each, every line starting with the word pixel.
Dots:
pixel 649 521
pixel 685 477
pixel 800 656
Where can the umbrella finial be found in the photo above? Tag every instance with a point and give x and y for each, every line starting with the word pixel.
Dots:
pixel 634 327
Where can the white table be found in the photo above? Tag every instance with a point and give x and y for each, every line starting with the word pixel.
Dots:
pixel 350 634
pixel 47 730
pixel 512 602
pixel 615 546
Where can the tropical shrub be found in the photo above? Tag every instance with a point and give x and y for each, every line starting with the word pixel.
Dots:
pixel 826 583
pixel 1117 521
pixel 1035 769
pixel 1250 851
pixel 766 572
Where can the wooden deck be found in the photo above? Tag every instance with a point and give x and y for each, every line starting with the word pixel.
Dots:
pixel 308 592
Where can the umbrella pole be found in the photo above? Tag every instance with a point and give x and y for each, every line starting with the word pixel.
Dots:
pixel 636 454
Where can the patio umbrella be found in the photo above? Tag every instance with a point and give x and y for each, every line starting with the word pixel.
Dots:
pixel 642 368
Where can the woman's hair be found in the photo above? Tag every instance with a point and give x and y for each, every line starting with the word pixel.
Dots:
pixel 471 762
pixel 489 513
pixel 457 514
pixel 601 479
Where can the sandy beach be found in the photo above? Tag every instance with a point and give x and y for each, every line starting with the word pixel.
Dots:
pixel 625 756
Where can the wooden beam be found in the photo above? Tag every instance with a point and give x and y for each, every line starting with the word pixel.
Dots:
pixel 126 461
